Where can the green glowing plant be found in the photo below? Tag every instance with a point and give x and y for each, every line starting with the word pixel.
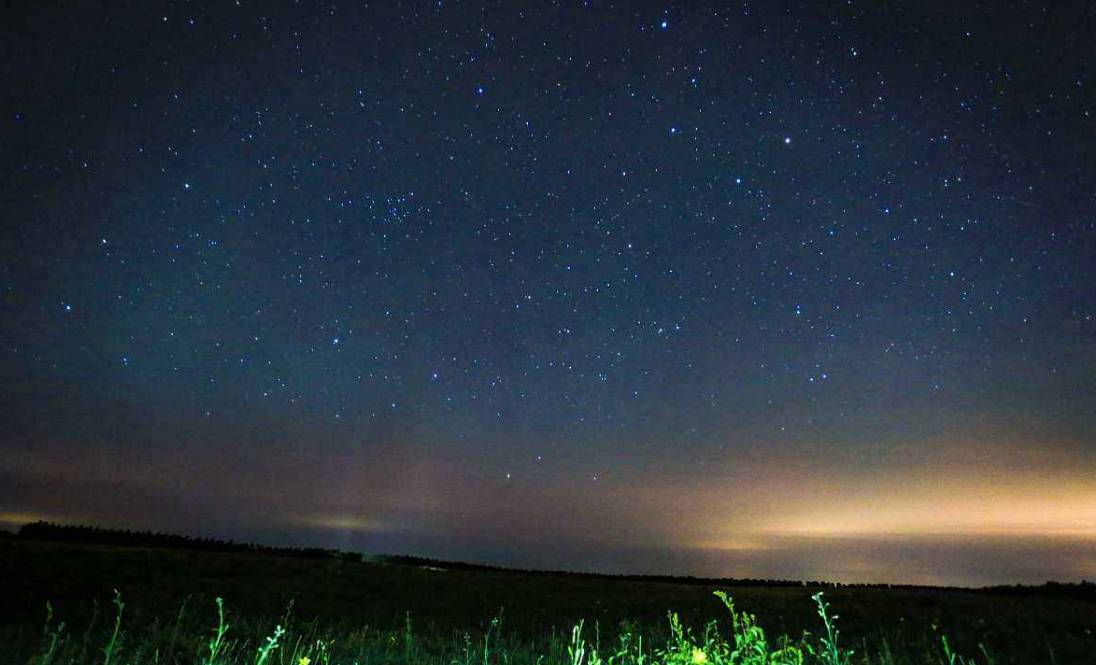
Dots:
pixel 114 645
pixel 216 643
pixel 269 647
pixel 830 654
pixel 51 637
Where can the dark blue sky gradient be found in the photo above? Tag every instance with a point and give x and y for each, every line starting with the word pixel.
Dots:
pixel 575 285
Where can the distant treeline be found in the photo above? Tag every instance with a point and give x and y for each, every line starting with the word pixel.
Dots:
pixel 64 533
pixel 1084 589
pixel 400 559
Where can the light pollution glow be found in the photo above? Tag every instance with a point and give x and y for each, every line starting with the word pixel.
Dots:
pixel 909 517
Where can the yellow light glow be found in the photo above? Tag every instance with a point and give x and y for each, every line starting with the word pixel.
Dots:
pixel 342 522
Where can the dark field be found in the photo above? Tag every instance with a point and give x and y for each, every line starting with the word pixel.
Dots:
pixel 385 612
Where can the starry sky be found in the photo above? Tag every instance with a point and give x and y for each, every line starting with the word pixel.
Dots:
pixel 795 290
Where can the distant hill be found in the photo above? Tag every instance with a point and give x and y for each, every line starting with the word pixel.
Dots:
pixel 1083 589
pixel 424 562
pixel 64 533
pixel 50 532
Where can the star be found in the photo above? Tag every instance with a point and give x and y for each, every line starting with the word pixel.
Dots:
pixel 579 256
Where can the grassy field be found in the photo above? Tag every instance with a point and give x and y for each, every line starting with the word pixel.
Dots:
pixel 344 612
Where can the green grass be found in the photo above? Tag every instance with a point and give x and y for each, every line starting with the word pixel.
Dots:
pixel 277 611
pixel 740 640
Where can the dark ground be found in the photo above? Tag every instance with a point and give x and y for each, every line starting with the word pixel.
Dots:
pixel 1021 626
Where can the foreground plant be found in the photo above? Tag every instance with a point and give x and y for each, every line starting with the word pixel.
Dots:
pixel 745 643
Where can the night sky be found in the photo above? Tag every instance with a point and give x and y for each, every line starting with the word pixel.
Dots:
pixel 801 290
